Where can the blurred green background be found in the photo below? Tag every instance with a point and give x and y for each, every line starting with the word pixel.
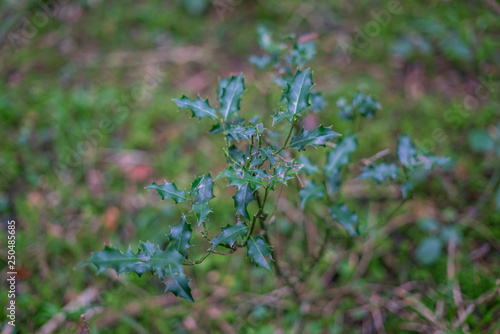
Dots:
pixel 87 121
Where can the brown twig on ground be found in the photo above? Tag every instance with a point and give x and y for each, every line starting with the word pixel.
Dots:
pixel 85 324
pixel 82 300
pixel 377 156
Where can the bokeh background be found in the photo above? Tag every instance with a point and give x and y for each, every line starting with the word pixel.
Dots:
pixel 87 121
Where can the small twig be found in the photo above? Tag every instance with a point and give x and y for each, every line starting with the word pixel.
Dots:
pixel 288 137
pixel 85 324
pixel 300 181
pixel 451 273
pixel 82 300
pixel 369 161
pixel 222 253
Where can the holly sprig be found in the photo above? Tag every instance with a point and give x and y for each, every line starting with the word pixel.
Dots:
pixel 257 165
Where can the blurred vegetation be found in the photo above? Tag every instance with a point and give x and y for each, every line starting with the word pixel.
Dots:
pixel 87 121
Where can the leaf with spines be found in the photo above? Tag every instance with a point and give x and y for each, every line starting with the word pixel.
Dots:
pixel 255 161
pixel 407 153
pixel 236 154
pixel 306 165
pixel 239 177
pixel 222 84
pixel 180 236
pixel 311 191
pixel 260 252
pixel 200 108
pixel 147 258
pixel 238 132
pixel 318 136
pixel 346 218
pixel 380 172
pixel 260 61
pixel 262 174
pixel 229 234
pixel 283 173
pixel 201 211
pixel 429 161
pixel 361 104
pixel 169 191
pixel 366 105
pixel 336 159
pixel 302 52
pixel 339 156
pixel 202 189
pixel 281 115
pixel 333 181
pixel 111 257
pixel 297 93
pixel 178 284
pixel 163 259
pixel 243 197
pixel 230 95
pixel 267 153
pixel 317 102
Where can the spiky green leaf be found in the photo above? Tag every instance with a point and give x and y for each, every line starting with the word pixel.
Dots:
pixel 229 234
pixel 201 211
pixel 345 217
pixel 297 93
pixel 318 136
pixel 222 84
pixel 281 115
pixel 147 258
pixel 366 106
pixel 202 189
pixel 178 284
pixel 333 181
pixel 239 177
pixel 230 98
pixel 111 257
pixel 429 161
pixel 180 236
pixel 260 252
pixel 407 154
pixel 267 153
pixel 162 260
pixel 243 197
pixel 311 191
pixel 339 156
pixel 306 165
pixel 238 132
pixel 317 101
pixel 200 108
pixel 236 154
pixel 169 191
pixel 380 172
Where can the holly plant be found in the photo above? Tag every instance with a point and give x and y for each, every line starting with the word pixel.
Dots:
pixel 261 163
